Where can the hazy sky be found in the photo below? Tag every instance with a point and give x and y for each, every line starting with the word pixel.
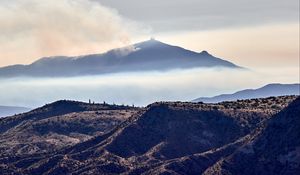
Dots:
pixel 174 15
pixel 251 33
pixel 262 35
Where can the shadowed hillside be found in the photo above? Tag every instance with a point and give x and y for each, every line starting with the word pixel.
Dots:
pixel 276 150
pixel 164 137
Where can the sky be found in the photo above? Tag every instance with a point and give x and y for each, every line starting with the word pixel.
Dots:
pixel 261 35
pixel 254 33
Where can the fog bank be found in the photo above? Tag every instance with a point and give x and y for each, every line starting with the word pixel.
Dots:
pixel 139 88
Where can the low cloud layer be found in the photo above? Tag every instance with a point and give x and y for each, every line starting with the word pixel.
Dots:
pixel 36 28
pixel 139 88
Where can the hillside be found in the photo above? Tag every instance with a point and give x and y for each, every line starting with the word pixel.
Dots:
pixel 151 55
pixel 263 92
pixel 163 138
pixel 56 125
pixel 276 150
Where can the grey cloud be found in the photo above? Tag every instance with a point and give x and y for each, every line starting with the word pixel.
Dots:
pixel 170 15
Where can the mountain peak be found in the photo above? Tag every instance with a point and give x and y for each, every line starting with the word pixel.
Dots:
pixel 204 52
pixel 150 55
pixel 150 43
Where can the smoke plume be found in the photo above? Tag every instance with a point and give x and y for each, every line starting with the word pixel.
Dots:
pixel 31 29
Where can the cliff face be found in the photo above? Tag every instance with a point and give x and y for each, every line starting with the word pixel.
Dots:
pixel 163 138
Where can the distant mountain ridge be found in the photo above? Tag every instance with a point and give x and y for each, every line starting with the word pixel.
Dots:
pixel 269 90
pixel 151 55
pixel 12 110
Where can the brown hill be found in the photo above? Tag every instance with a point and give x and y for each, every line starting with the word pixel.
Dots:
pixel 163 138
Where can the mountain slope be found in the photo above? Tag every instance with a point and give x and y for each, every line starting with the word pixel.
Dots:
pixel 11 110
pixel 57 125
pixel 275 151
pixel 150 55
pixel 263 92
pixel 163 138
